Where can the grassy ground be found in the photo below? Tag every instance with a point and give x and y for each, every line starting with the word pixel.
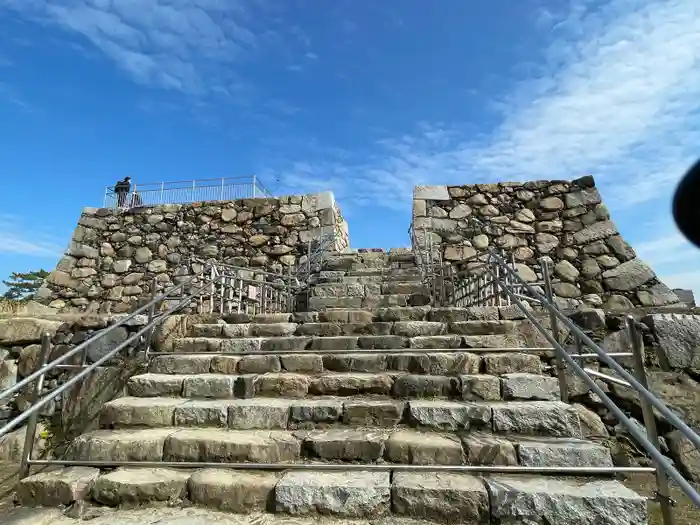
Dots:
pixel 685 512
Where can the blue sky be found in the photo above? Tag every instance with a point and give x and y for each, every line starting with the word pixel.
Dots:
pixel 361 97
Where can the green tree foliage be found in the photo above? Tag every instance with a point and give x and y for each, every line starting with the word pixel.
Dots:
pixel 22 286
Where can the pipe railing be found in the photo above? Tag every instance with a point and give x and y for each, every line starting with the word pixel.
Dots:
pixel 186 191
pixel 315 256
pixel 501 273
pixel 216 283
pixel 247 290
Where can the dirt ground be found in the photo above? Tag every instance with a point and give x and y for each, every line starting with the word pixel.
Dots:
pixel 685 512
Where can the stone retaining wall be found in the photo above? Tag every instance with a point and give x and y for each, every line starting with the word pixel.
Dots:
pixel 20 352
pixel 565 220
pixel 114 254
pixel 672 361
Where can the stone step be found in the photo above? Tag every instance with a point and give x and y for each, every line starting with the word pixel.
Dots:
pixel 326 329
pixel 403 288
pixel 436 363
pixel 345 342
pixel 370 302
pixel 366 279
pixel 313 496
pixel 365 445
pixel 537 418
pixel 398 272
pixel 384 313
pixel 555 419
pixel 474 386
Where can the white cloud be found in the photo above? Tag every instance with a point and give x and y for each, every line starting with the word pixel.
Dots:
pixel 615 95
pixel 179 45
pixel 10 94
pixel 685 280
pixel 16 238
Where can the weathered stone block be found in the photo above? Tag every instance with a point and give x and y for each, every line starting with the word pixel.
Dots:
pixel 372 413
pixel 550 500
pixel 202 413
pixel 530 386
pixel 546 418
pixel 56 488
pixel 489 450
pixel 424 386
pixel 678 337
pixel 351 384
pixel 140 411
pixel 217 445
pixel 345 494
pixel 25 330
pixel 208 385
pixel 416 448
pixel 447 415
pixel 480 387
pixel 258 413
pixel 282 385
pixel 563 453
pixel 346 445
pixel 314 411
pixel 233 491
pixel 628 275
pixel 440 496
pixel 140 485
pixel 508 363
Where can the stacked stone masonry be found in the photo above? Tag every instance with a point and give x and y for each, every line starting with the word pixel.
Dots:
pixel 115 254
pixel 350 385
pixel 565 220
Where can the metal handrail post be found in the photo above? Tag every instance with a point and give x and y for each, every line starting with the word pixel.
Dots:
pixel 255 182
pixel 212 290
pixel 30 436
pixel 151 315
pixel 561 367
pixel 672 418
pixel 663 491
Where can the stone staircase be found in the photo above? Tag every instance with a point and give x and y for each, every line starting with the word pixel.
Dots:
pixel 363 379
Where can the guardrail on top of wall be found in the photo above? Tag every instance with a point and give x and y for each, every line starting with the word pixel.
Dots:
pixel 186 191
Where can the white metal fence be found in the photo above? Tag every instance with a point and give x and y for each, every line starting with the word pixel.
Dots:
pixel 186 191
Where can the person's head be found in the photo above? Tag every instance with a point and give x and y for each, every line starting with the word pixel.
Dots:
pixel 127 179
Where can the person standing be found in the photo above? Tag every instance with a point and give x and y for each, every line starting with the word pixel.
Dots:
pixel 122 188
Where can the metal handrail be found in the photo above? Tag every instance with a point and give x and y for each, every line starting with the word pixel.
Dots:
pixel 38 402
pixel 648 400
pixel 187 191
pixel 602 354
pixel 504 279
pixel 315 256
pixel 82 347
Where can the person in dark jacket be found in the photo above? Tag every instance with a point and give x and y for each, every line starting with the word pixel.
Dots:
pixel 122 189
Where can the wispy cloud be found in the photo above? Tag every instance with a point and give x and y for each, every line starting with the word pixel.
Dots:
pixel 16 238
pixel 11 95
pixel 178 45
pixel 615 95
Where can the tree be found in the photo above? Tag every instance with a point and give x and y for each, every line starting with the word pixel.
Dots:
pixel 22 286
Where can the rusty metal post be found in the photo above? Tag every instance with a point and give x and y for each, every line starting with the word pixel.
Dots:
pixel 663 493
pixel 554 326
pixel 30 436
